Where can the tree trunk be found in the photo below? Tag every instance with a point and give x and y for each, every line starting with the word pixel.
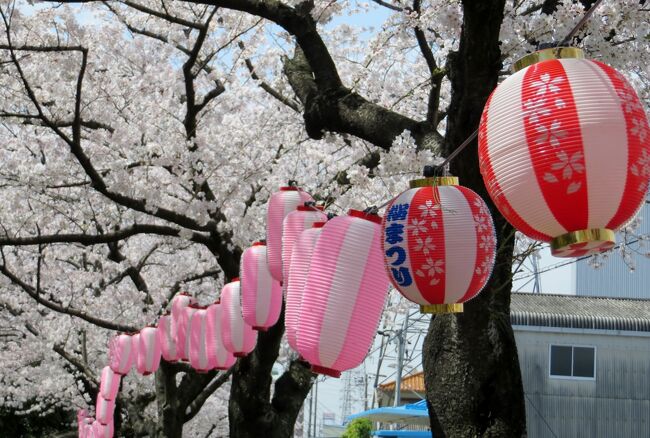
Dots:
pixel 251 411
pixel 170 416
pixel 471 366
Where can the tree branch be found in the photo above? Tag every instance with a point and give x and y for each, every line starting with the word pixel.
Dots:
pixel 195 405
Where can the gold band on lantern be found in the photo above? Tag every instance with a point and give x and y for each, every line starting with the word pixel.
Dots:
pixel 434 181
pixel 442 308
pixel 582 236
pixel 545 55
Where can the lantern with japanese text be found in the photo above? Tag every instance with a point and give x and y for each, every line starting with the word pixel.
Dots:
pixel 219 357
pixel 439 244
pixel 199 359
pixel 238 337
pixel 104 410
pixel 109 383
pixel 301 254
pixel 261 293
pixel 121 354
pixel 180 323
pixel 280 205
pixel 295 223
pixel 148 351
pixel 103 430
pixel 564 148
pixel 168 347
pixel 344 294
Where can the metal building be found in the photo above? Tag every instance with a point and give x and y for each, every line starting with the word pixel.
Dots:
pixel 585 365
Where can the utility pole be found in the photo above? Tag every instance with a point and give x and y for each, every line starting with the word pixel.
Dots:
pixel 401 344
pixel 311 402
pixel 315 406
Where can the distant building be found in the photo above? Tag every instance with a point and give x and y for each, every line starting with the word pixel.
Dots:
pixel 412 390
pixel 585 365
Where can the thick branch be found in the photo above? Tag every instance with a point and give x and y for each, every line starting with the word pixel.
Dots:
pixel 96 239
pixel 195 405
pixel 31 291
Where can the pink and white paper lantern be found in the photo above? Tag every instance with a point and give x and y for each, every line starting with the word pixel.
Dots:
pixel 301 255
pixel 82 415
pixel 295 223
pixel 167 339
pixel 219 357
pixel 103 430
pixel 261 293
pixel 88 430
pixel 199 358
pixel 344 295
pixel 121 354
pixel 180 323
pixel 149 351
pixel 104 410
pixel 280 205
pixel 109 383
pixel 238 337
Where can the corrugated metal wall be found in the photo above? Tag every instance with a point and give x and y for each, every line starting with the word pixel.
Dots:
pixel 614 279
pixel 615 404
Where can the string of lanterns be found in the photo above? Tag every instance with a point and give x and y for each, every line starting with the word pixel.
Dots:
pixel 564 151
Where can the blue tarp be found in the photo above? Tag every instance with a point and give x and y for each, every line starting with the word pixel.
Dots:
pixel 415 413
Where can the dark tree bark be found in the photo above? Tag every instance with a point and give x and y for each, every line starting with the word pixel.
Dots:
pixel 471 367
pixel 251 411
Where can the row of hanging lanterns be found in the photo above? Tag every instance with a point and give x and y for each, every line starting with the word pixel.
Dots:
pixel 546 140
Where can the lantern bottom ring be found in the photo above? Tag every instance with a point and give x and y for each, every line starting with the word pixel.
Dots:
pixel 442 308
pixel 583 242
pixel 324 370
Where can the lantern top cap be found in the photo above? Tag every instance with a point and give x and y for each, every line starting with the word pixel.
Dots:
pixel 434 181
pixel 312 207
pixel 546 55
pixel 289 188
pixel 260 243
pixel 372 217
pixel 318 224
pixel 234 279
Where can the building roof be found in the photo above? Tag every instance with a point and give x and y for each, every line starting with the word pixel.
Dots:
pixel 414 382
pixel 572 311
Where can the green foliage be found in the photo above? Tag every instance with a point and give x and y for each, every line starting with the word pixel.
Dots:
pixel 358 428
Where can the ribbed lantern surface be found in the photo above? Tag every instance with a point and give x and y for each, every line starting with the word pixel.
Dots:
pixel 344 294
pixel 82 415
pixel 149 351
pixel 88 430
pixel 219 357
pixel 438 244
pixel 199 359
pixel 280 205
pixel 564 152
pixel 103 430
pixel 261 293
pixel 180 323
pixel 104 410
pixel 301 256
pixel 121 354
pixel 238 337
pixel 167 339
pixel 295 223
pixel 109 383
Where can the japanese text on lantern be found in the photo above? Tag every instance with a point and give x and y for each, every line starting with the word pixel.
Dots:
pixel 394 235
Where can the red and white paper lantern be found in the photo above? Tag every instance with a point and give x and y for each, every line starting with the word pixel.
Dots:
pixel 121 354
pixel 301 255
pixel 295 223
pixel 438 244
pixel 180 323
pixel 344 295
pixel 109 383
pixel 104 410
pixel 103 430
pixel 280 205
pixel 167 339
pixel 149 351
pixel 219 357
pixel 199 359
pixel 238 337
pixel 261 293
pixel 564 147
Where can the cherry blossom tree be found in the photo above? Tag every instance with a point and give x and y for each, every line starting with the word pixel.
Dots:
pixel 142 139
